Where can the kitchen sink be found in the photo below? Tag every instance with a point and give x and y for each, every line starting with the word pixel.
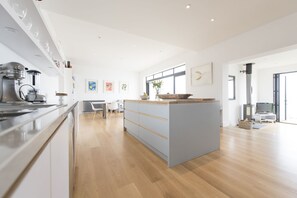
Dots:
pixel 4 115
pixel 22 106
pixel 11 110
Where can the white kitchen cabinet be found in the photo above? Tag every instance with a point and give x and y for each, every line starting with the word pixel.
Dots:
pixel 36 182
pixel 61 156
pixel 52 171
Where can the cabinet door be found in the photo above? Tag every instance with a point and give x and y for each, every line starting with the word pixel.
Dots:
pixel 60 160
pixel 36 182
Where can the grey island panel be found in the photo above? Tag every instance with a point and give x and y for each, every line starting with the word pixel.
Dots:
pixel 194 131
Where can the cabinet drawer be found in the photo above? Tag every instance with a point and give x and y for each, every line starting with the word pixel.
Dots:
pixel 133 106
pixel 132 116
pixel 156 110
pixel 160 144
pixel 160 126
pixel 131 128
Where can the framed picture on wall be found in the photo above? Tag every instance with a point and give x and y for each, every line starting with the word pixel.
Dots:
pixel 201 75
pixel 91 86
pixel 124 87
pixel 108 86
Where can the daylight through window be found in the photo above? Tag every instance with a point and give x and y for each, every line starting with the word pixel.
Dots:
pixel 173 81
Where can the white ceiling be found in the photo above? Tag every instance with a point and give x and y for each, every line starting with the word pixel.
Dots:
pixel 280 59
pixel 88 44
pixel 154 27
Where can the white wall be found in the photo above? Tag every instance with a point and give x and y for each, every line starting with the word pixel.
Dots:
pixel 48 84
pixel 100 74
pixel 278 34
pixel 235 105
pixel 265 84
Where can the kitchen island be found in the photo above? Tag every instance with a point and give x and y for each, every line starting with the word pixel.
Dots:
pixel 176 130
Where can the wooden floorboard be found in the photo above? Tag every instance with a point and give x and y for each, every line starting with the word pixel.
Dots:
pixel 250 163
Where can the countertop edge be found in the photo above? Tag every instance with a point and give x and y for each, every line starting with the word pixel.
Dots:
pixel 176 101
pixel 11 169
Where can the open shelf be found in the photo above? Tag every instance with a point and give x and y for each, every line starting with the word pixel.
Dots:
pixel 15 35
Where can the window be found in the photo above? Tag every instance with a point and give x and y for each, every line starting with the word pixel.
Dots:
pixel 231 87
pixel 174 81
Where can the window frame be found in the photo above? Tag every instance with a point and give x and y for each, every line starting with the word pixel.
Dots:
pixel 165 76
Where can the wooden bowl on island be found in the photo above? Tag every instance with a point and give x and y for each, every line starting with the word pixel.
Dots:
pixel 174 96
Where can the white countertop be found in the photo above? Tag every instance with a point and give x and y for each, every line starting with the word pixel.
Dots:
pixel 22 137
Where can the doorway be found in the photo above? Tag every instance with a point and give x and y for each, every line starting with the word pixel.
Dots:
pixel 285 97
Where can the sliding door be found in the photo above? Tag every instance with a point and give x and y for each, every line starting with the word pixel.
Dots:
pixel 285 97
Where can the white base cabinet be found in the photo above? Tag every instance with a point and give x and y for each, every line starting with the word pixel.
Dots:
pixel 51 173
pixel 36 183
pixel 60 160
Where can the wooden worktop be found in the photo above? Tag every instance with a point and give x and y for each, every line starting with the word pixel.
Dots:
pixel 176 101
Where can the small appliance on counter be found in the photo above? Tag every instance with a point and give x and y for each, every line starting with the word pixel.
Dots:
pixel 33 94
pixel 11 85
pixel 11 75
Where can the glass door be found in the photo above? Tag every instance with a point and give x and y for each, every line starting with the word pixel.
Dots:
pixel 286 97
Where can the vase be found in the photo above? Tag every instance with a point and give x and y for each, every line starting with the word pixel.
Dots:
pixel 157 94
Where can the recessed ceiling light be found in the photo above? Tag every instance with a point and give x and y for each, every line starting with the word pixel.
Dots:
pixel 212 20
pixel 188 6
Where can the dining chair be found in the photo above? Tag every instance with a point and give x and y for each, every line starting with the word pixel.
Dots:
pixel 121 105
pixel 97 109
pixel 113 106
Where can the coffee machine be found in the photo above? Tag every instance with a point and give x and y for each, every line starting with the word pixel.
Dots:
pixel 11 75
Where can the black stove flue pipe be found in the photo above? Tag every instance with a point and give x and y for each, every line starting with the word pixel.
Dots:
pixel 248 72
pixel 247 108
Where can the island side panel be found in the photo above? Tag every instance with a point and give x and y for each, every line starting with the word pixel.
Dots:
pixel 194 131
pixel 131 118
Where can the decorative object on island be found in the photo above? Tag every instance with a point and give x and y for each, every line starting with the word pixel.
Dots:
pixel 61 97
pixel 174 96
pixel 157 84
pixel 124 87
pixel 91 86
pixel 108 86
pixel 144 96
pixel 201 75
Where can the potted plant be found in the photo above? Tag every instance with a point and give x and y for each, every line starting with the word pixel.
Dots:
pixel 157 84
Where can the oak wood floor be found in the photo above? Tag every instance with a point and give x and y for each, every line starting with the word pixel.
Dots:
pixel 257 163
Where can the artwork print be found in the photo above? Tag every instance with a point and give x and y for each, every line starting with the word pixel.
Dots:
pixel 108 86
pixel 92 86
pixel 201 75
pixel 124 87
